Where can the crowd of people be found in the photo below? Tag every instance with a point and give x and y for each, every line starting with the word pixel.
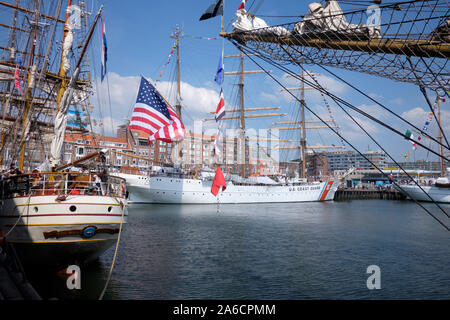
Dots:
pixel 13 182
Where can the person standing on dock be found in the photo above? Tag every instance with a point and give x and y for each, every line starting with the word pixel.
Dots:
pixel 103 180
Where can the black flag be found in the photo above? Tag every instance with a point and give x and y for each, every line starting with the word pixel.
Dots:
pixel 213 10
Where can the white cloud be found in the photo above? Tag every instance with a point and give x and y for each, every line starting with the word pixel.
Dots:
pixel 375 96
pixel 197 101
pixel 193 98
pixel 418 116
pixel 329 84
pixel 269 97
pixel 397 101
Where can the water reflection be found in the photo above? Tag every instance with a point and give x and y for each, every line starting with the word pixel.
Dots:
pixel 52 283
pixel 270 251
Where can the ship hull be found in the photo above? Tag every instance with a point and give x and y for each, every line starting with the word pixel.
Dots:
pixel 192 191
pixel 438 194
pixel 74 231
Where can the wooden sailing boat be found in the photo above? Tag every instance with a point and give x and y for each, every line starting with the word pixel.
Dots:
pixel 53 216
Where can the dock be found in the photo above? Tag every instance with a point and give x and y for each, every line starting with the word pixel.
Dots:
pixel 353 194
pixel 13 282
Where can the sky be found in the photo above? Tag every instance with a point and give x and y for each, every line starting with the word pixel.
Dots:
pixel 139 43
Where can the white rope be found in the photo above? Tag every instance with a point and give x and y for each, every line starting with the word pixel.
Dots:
pixel 115 254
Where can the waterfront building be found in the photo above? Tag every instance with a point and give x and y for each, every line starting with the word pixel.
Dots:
pixel 344 160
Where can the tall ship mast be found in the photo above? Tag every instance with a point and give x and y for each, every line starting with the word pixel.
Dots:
pixel 242 188
pixel 404 41
pixel 54 212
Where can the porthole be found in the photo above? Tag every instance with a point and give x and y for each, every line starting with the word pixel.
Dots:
pixel 35 209
pixel 73 208
pixel 109 209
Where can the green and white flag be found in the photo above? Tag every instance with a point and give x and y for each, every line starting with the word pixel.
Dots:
pixel 408 134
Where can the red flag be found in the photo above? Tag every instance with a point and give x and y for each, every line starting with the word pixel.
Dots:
pixel 219 181
pixel 17 80
pixel 242 5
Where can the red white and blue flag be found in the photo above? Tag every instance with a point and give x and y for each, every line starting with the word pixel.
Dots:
pixel 152 115
pixel 104 51
pixel 242 5
pixel 220 110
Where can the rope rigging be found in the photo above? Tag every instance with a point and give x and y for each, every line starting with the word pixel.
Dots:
pixel 361 154
pixel 351 106
pixel 350 40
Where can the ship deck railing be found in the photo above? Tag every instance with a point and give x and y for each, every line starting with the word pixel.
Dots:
pixel 61 184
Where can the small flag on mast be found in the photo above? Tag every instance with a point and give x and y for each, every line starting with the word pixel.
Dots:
pixel 17 80
pixel 213 10
pixel 220 111
pixel 408 134
pixel 242 5
pixel 104 51
pixel 218 147
pixel 220 74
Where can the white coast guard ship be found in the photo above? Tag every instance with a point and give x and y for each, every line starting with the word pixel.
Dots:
pixel 172 189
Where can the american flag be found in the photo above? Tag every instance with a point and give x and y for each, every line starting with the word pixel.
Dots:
pixel 152 115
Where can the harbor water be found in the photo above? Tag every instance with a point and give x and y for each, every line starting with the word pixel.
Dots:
pixel 318 250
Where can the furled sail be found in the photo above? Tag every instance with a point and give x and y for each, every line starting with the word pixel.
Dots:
pixel 403 40
pixel 331 19
pixel 61 122
pixel 68 40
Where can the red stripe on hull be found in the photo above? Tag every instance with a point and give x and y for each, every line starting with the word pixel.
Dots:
pixel 327 189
